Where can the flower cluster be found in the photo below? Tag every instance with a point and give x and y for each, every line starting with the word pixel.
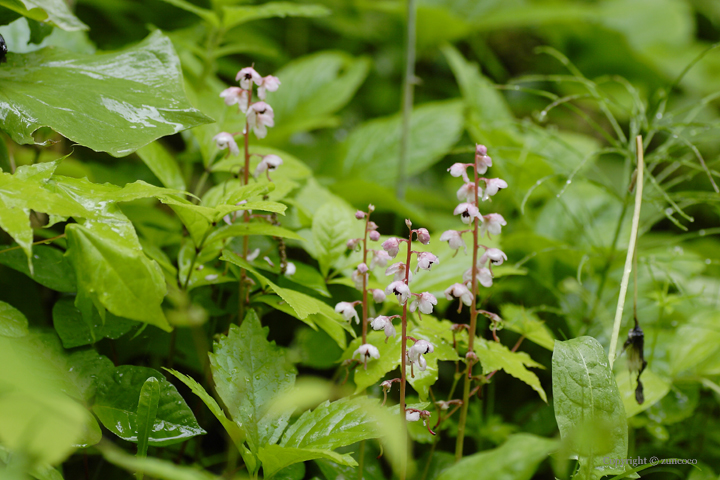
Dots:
pixel 258 115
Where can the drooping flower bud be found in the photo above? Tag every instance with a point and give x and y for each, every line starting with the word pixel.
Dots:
pixel 247 76
pixel 374 235
pixel 468 212
pixel 466 193
pixel 398 269
pixel 424 302
pixel 454 239
pixel 400 290
pixel 426 260
pixel 347 310
pixel 383 323
pixel 378 295
pixel 237 95
pixel 225 140
pixel 493 224
pixel 359 215
pixel 423 236
pixel 367 351
pixel 493 186
pixel 391 246
pixel 380 259
pixel 458 290
pixel 260 115
pixel 268 162
pixel 459 170
pixel 496 256
pixel 269 84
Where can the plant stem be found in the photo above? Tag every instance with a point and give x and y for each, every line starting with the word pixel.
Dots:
pixel 630 252
pixel 407 103
pixel 246 215
pixel 403 358
pixel 471 333
pixel 17 247
pixel 364 293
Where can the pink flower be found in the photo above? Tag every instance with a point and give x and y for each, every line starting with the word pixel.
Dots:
pixel 260 116
pixel 484 277
pixel 225 140
pixel 493 224
pixel 426 260
pixel 458 290
pixel 353 243
pixel 235 95
pixel 493 186
pixel 375 236
pixel 391 246
pixel 398 269
pixel 480 150
pixel 424 303
pixel 412 415
pixel 358 277
pixel 268 162
pixel 482 163
pixel 467 212
pixel 268 83
pixel 423 236
pixel 466 192
pixel 247 76
pixel 459 170
pixel 359 215
pixel 380 259
pixel 347 310
pixel 367 351
pixel 454 239
pixel 496 256
pixel 378 295
pixel 416 352
pixel 383 323
pixel 400 290
pixel 362 268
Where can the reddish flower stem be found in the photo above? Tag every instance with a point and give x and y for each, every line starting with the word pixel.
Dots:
pixel 365 279
pixel 246 216
pixel 403 356
pixel 471 333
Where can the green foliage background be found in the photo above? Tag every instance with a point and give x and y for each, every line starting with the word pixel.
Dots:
pixel 107 113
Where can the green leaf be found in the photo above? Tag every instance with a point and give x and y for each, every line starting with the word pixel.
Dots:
pixel 51 269
pixel 56 12
pixel 245 229
pixel 12 321
pixel 372 150
pixel 332 227
pixel 74 332
pixel 249 372
pixel 237 15
pixel 517 319
pixel 588 407
pixel 113 273
pixel 313 88
pixel 438 333
pixel 274 457
pixel 701 340
pixel 496 356
pixel 117 401
pixel 112 102
pixel 207 15
pixel 654 389
pixel 162 164
pixel 516 459
pixel 146 412
pixel 89 368
pixel 40 471
pixel 153 467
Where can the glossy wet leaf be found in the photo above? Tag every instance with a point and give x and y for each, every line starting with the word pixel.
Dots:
pixel 111 102
pixel 50 267
pixel 12 321
pixel 55 12
pixel 516 459
pixel 75 332
pixel 117 400
pixel 588 407
pixel 496 356
pixel 249 372
pixel 146 412
pixel 89 368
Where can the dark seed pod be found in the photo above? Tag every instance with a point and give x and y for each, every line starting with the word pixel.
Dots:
pixel 3 49
pixel 636 359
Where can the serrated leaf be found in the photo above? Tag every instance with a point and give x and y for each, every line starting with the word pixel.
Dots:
pixel 274 457
pixel 588 408
pixel 496 356
pixel 237 15
pixel 146 412
pixel 527 324
pixel 438 333
pixel 162 164
pixel 516 459
pixel 249 372
pixel 371 151
pixel 50 268
pixel 112 102
pixel 55 12
pixel 12 321
pixel 332 226
pixel 75 332
pixel 117 400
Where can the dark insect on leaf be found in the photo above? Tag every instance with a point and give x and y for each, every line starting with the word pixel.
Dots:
pixel 634 345
pixel 3 49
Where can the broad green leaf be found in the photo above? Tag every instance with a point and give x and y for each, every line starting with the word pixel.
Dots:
pixel 112 102
pixel 50 267
pixel 313 88
pixel 146 412
pixel 516 459
pixel 55 12
pixel 237 15
pixel 527 324
pixel 332 227
pixel 12 321
pixel 372 150
pixel 117 400
pixel 245 229
pixel 162 164
pixel 274 457
pixel 588 407
pixel 654 389
pixel 40 471
pixel 153 467
pixel 74 332
pixel 89 368
pixel 438 333
pixel 700 341
pixel 115 274
pixel 249 372
pixel 207 15
pixel 496 356
pixel 376 368
pixel 36 417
